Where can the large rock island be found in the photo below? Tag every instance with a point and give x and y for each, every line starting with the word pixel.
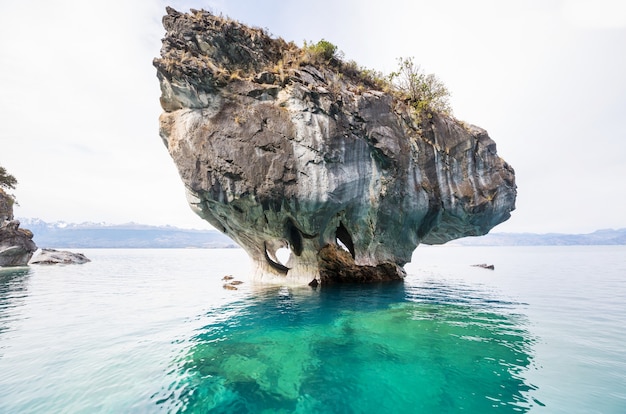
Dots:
pixel 278 151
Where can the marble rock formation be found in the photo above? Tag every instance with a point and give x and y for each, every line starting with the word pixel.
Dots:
pixel 279 153
pixel 16 244
pixel 52 256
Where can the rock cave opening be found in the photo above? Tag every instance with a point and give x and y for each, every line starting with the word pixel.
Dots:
pixel 277 254
pixel 294 236
pixel 344 240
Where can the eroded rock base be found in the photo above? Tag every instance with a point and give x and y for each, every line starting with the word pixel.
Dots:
pixel 337 266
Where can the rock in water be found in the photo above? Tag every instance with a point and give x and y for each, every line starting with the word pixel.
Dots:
pixel 485 266
pixel 52 256
pixel 279 153
pixel 16 244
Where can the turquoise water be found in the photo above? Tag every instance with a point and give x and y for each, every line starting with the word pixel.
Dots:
pixel 155 331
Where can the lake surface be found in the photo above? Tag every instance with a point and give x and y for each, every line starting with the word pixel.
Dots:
pixel 142 331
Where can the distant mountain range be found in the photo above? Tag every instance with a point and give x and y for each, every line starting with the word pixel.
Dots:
pixel 132 235
pixel 599 237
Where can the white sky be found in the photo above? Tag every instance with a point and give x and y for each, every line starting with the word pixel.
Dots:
pixel 547 78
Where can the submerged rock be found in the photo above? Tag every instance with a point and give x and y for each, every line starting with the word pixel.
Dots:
pixel 52 256
pixel 278 153
pixel 485 266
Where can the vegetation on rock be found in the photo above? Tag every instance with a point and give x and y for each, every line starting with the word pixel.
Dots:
pixel 423 91
pixel 244 52
pixel 322 52
pixel 7 181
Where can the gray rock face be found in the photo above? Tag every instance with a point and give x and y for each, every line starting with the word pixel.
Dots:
pixel 283 155
pixel 16 245
pixel 6 206
pixel 52 256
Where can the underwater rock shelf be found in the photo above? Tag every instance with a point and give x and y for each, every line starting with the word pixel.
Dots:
pixel 279 152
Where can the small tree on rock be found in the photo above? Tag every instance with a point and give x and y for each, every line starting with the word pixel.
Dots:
pixel 7 180
pixel 322 52
pixel 424 92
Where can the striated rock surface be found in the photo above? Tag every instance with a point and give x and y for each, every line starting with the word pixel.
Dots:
pixel 52 256
pixel 278 153
pixel 16 245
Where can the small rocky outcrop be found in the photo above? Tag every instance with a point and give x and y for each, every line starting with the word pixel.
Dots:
pixel 278 152
pixel 16 244
pixel 52 256
pixel 231 284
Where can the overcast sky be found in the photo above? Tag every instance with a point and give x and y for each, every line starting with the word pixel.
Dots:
pixel 79 98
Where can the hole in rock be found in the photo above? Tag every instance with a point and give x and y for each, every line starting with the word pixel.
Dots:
pixel 344 240
pixel 343 246
pixel 294 236
pixel 271 255
pixel 283 255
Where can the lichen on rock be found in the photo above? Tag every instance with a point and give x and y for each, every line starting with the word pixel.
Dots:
pixel 279 153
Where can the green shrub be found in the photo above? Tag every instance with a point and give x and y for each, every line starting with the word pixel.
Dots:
pixel 322 52
pixel 424 92
pixel 325 49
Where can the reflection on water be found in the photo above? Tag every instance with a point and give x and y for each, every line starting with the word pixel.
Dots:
pixel 13 293
pixel 393 348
